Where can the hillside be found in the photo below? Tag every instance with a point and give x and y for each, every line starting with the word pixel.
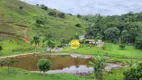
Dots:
pixel 20 18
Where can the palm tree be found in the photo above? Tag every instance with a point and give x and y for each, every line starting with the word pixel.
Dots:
pixel 46 39
pixel 98 65
pixel 36 42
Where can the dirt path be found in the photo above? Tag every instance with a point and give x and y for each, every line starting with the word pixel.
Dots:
pixel 54 54
pixel 1 22
pixel 15 55
pixel 14 35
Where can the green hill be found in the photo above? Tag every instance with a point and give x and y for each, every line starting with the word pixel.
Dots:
pixel 20 18
pixel 20 21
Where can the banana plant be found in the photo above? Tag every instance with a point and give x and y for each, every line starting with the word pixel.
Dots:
pixel 98 64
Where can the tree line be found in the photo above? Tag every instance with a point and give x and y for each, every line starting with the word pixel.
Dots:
pixel 124 29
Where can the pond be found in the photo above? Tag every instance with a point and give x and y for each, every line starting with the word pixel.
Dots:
pixel 72 62
pixel 62 63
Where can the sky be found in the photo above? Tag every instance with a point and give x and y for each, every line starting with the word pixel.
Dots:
pixel 91 7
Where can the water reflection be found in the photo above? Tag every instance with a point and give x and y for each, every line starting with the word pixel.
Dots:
pixel 80 70
pixel 59 62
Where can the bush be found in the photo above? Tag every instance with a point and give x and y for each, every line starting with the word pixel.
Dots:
pixel 44 7
pixel 78 25
pixel 138 43
pixel 70 14
pixel 1 48
pixel 79 16
pixel 122 46
pixel 21 7
pixel 37 5
pixel 134 73
pixel 61 15
pixel 104 47
pixel 52 14
pixel 39 22
pixel 44 65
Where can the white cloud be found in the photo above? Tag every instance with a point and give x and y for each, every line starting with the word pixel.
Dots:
pixel 84 7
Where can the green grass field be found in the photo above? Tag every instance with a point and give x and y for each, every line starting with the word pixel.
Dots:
pixel 19 74
pixel 110 49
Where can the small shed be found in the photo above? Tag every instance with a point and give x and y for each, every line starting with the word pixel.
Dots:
pixel 90 41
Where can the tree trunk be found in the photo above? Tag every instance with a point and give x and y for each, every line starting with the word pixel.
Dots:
pixel 43 50
pixel 35 48
pixel 50 50
pixel 43 73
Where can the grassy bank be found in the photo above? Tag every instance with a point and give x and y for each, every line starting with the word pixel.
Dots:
pixel 19 74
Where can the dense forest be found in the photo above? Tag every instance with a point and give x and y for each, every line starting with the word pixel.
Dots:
pixel 124 29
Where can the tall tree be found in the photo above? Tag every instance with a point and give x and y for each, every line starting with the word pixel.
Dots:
pixel 112 34
pixel 35 41
pixel 51 44
pixel 46 39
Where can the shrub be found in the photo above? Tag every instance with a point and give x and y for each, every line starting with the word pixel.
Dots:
pixel 21 7
pixel 122 46
pixel 78 25
pixel 37 4
pixel 1 48
pixel 44 65
pixel 44 7
pixel 70 14
pixel 79 16
pixel 61 15
pixel 134 73
pixel 64 42
pixel 39 22
pixel 52 14
pixel 138 43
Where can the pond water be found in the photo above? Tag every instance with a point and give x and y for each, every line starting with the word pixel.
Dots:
pixel 59 62
pixel 62 63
